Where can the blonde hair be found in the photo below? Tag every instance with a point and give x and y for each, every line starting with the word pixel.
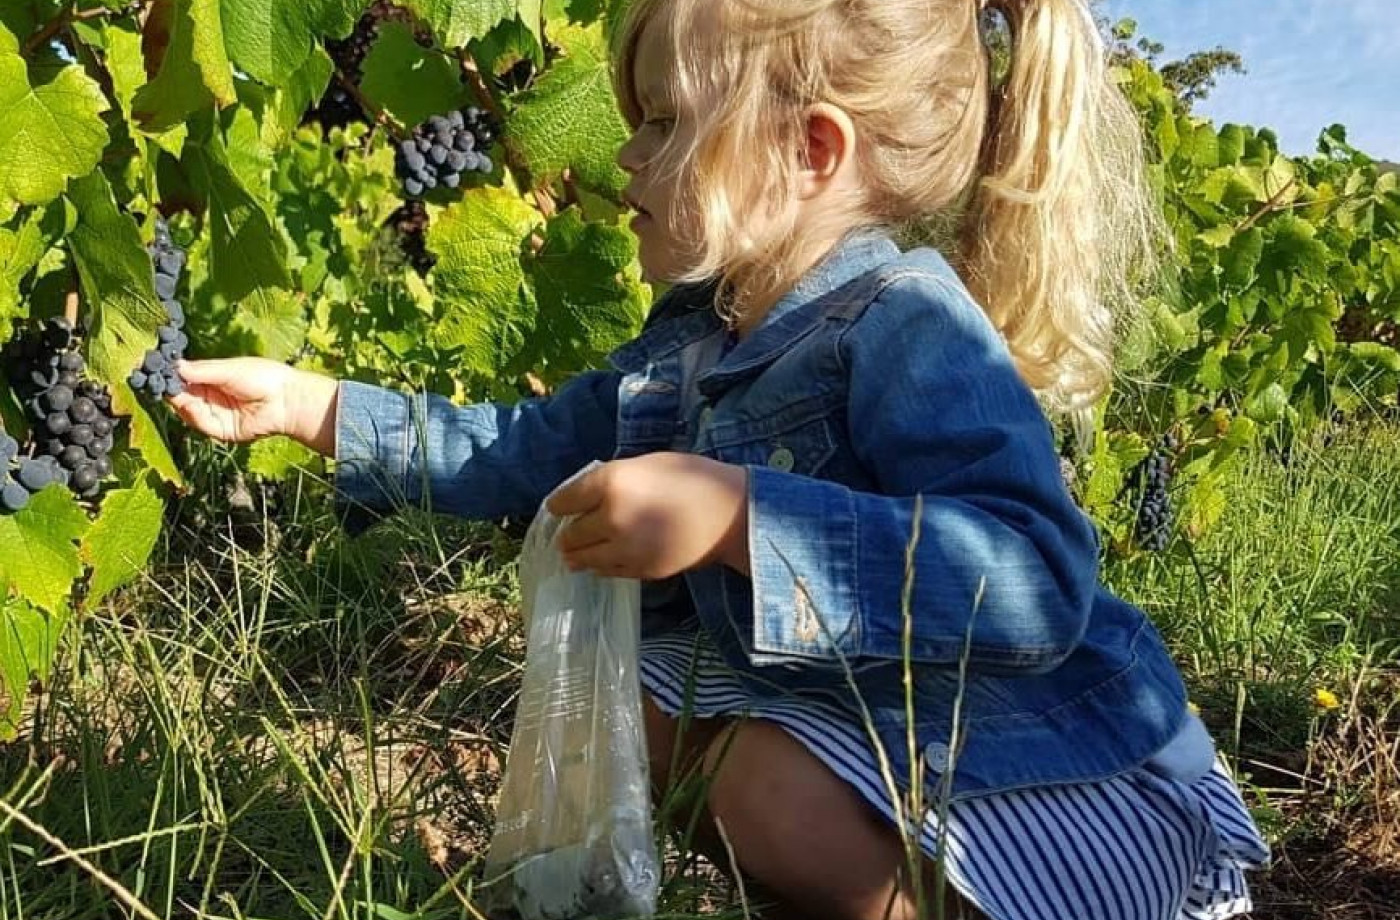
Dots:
pixel 1041 178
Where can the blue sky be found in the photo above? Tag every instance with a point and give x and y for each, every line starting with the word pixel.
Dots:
pixel 1311 63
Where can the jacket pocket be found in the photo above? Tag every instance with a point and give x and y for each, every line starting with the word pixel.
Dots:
pixel 788 442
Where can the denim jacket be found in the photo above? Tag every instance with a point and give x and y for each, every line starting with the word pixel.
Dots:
pixel 875 409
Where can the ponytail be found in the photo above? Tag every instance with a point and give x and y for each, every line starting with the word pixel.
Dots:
pixel 1061 218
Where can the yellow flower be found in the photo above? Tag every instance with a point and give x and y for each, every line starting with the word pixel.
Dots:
pixel 1326 699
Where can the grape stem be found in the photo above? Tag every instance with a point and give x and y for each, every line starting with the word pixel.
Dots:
pixel 381 115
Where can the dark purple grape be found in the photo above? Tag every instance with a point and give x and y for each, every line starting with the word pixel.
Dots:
pixel 71 361
pixel 103 425
pixel 57 399
pixel 84 479
pixel 81 435
pixel 14 497
pixel 83 410
pixel 57 423
pixel 73 457
pixel 153 363
pixel 34 475
pixel 102 466
pixel 137 380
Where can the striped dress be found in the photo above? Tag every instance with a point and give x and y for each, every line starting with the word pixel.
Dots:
pixel 1138 846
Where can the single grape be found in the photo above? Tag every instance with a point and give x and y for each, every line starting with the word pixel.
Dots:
pixel 137 380
pixel 81 435
pixel 100 447
pixel 73 457
pixel 82 411
pixel 84 479
pixel 174 386
pixel 57 423
pixel 57 399
pixel 34 475
pixel 153 363
pixel 102 466
pixel 14 497
pixel 71 361
pixel 103 426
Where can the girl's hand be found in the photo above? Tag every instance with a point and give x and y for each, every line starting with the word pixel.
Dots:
pixel 655 515
pixel 243 399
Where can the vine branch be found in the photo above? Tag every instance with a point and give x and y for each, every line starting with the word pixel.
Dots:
pixel 63 20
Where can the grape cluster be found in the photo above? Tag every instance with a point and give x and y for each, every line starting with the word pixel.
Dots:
pixel 71 422
pixel 156 376
pixel 443 148
pixel 410 224
pixel 1152 530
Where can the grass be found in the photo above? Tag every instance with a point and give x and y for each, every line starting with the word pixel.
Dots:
pixel 279 722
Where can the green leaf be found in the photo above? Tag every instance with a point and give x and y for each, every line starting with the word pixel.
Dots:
pixel 1295 249
pixel 194 69
pixel 1268 405
pixel 41 553
pixel 484 307
pixel 28 641
pixel 1239 261
pixel 277 457
pixel 115 273
pixel 121 44
pixel 569 118
pixel 290 101
pixel 20 251
pixel 144 437
pixel 50 129
pixel 276 321
pixel 589 290
pixel 1231 144
pixel 409 81
pixel 247 254
pixel 271 39
pixel 119 543
pixel 456 22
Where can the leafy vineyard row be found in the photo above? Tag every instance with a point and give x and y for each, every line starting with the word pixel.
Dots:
pixel 427 193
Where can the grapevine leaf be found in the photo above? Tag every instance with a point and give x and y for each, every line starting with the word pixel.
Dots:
pixel 569 118
pixel 116 279
pixel 580 11
pixel 290 101
pixel 120 541
pixel 277 457
pixel 480 284
pixel 1231 144
pixel 50 129
pixel 1294 248
pixel 1241 258
pixel 409 81
pixel 20 251
pixel 193 70
pixel 41 552
pixel 28 640
pixel 126 65
pixel 276 322
pixel 247 255
pixel 144 437
pixel 590 294
pixel 271 39
pixel 456 22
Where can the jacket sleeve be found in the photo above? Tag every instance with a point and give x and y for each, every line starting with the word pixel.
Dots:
pixel 486 461
pixel 961 452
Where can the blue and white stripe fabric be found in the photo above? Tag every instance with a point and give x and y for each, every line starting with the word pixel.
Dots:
pixel 1138 846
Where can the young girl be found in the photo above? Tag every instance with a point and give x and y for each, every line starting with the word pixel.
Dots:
pixel 828 460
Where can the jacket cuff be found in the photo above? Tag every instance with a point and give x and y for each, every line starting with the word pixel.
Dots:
pixel 802 562
pixel 372 451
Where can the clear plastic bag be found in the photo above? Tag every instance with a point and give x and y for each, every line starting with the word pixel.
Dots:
pixel 573 835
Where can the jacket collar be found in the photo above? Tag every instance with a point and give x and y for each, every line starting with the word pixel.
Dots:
pixel 802 309
pixel 688 314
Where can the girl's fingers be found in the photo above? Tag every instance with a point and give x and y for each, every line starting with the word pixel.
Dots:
pixel 601 559
pixel 582 532
pixel 216 371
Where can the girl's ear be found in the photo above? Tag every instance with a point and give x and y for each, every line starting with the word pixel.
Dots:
pixel 829 151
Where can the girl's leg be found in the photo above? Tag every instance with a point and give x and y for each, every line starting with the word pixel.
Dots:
pixel 807 836
pixel 795 827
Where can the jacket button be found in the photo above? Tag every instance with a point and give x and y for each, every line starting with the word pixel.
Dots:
pixel 781 459
pixel 936 756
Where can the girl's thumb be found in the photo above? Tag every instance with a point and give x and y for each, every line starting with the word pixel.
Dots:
pixel 213 371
